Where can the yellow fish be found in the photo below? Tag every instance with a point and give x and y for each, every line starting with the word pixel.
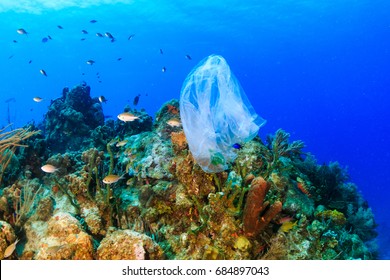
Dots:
pixel 10 249
pixel 174 123
pixel 287 226
pixel 111 179
pixel 127 117
pixel 48 168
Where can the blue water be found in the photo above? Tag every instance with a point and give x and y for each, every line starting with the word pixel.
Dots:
pixel 319 69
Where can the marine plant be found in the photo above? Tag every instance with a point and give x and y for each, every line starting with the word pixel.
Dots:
pixel 9 141
pixel 26 202
pixel 279 149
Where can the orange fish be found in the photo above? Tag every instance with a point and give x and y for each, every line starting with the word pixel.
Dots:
pixel 302 187
pixel 111 179
pixel 174 123
pixel 48 168
pixel 127 117
pixel 10 249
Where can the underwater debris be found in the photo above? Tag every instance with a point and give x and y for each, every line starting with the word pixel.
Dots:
pixel 216 114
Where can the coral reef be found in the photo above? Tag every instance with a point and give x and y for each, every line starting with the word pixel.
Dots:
pixel 273 201
pixel 128 245
pixel 60 238
pixel 70 119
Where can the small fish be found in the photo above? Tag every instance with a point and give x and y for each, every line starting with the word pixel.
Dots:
pixel 11 56
pixel 99 34
pixel 119 59
pixel 131 37
pixel 161 51
pixel 108 35
pixel 54 249
pixel 60 27
pixel 48 168
pixel 287 226
pixel 284 220
pixel 102 99
pixel 121 143
pixel 136 100
pixel 37 99
pixel 237 146
pixel 44 40
pixel 90 62
pixel 30 61
pixel 48 36
pixel 188 57
pixel 174 123
pixel 43 72
pixel 10 249
pixel 164 69
pixel 82 39
pixel 84 31
pixel 111 179
pixel 93 21
pixel 14 41
pixel 127 117
pixel 21 31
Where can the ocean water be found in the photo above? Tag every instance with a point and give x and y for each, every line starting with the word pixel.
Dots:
pixel 317 69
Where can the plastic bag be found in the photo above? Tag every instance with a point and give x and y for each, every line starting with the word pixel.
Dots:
pixel 216 115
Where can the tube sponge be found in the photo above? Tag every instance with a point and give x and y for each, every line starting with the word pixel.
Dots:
pixel 216 114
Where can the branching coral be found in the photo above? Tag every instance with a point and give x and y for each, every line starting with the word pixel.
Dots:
pixel 278 147
pixel 25 203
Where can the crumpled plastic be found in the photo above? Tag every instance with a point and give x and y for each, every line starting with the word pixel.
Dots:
pixel 216 114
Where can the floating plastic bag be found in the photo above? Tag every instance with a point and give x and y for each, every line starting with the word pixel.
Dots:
pixel 216 114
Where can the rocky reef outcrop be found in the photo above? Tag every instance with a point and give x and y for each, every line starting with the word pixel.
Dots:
pixel 133 191
pixel 70 119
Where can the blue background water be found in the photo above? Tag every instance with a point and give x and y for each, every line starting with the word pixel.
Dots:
pixel 319 69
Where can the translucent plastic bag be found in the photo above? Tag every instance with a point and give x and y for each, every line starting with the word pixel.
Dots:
pixel 216 114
